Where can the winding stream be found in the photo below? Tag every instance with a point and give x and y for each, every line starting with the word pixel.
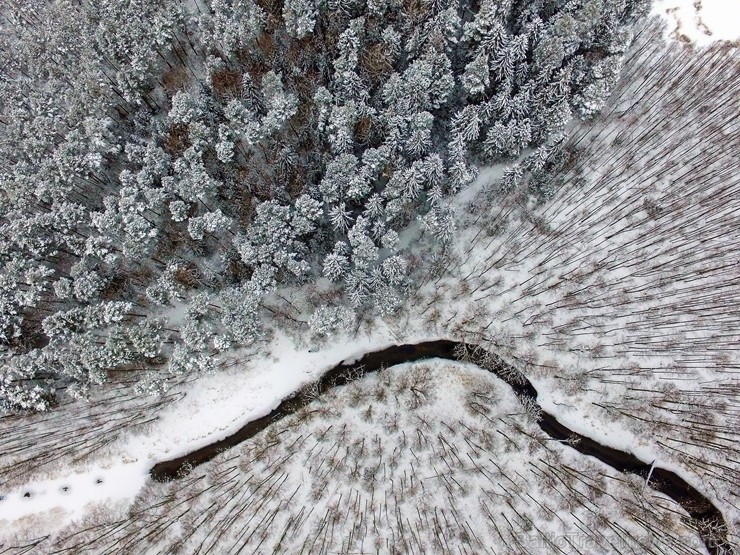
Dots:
pixel 708 519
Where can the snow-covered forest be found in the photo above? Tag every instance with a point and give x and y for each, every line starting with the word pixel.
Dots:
pixel 165 159
pixel 204 205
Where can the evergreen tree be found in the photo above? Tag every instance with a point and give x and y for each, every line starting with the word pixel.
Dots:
pixel 300 17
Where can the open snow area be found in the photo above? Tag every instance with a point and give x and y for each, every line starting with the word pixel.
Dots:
pixel 68 498
pixel 700 21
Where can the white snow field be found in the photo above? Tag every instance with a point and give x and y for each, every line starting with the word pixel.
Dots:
pixel 701 22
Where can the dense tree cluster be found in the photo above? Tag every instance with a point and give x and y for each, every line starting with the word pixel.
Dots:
pixel 205 155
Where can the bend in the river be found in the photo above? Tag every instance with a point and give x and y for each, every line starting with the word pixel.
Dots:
pixel 708 519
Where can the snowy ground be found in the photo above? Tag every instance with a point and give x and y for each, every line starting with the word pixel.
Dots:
pixel 700 22
pixel 66 498
pixel 214 407
pixel 431 457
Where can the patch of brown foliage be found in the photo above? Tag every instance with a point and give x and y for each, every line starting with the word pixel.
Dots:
pixel 375 63
pixel 365 130
pixel 226 83
pixel 115 287
pixel 416 10
pixel 175 79
pixel 177 139
pixel 238 270
pixel 187 274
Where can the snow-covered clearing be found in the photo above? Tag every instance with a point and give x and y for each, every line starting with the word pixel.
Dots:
pixel 68 498
pixel 700 21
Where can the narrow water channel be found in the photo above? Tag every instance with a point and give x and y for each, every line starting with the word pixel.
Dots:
pixel 708 519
